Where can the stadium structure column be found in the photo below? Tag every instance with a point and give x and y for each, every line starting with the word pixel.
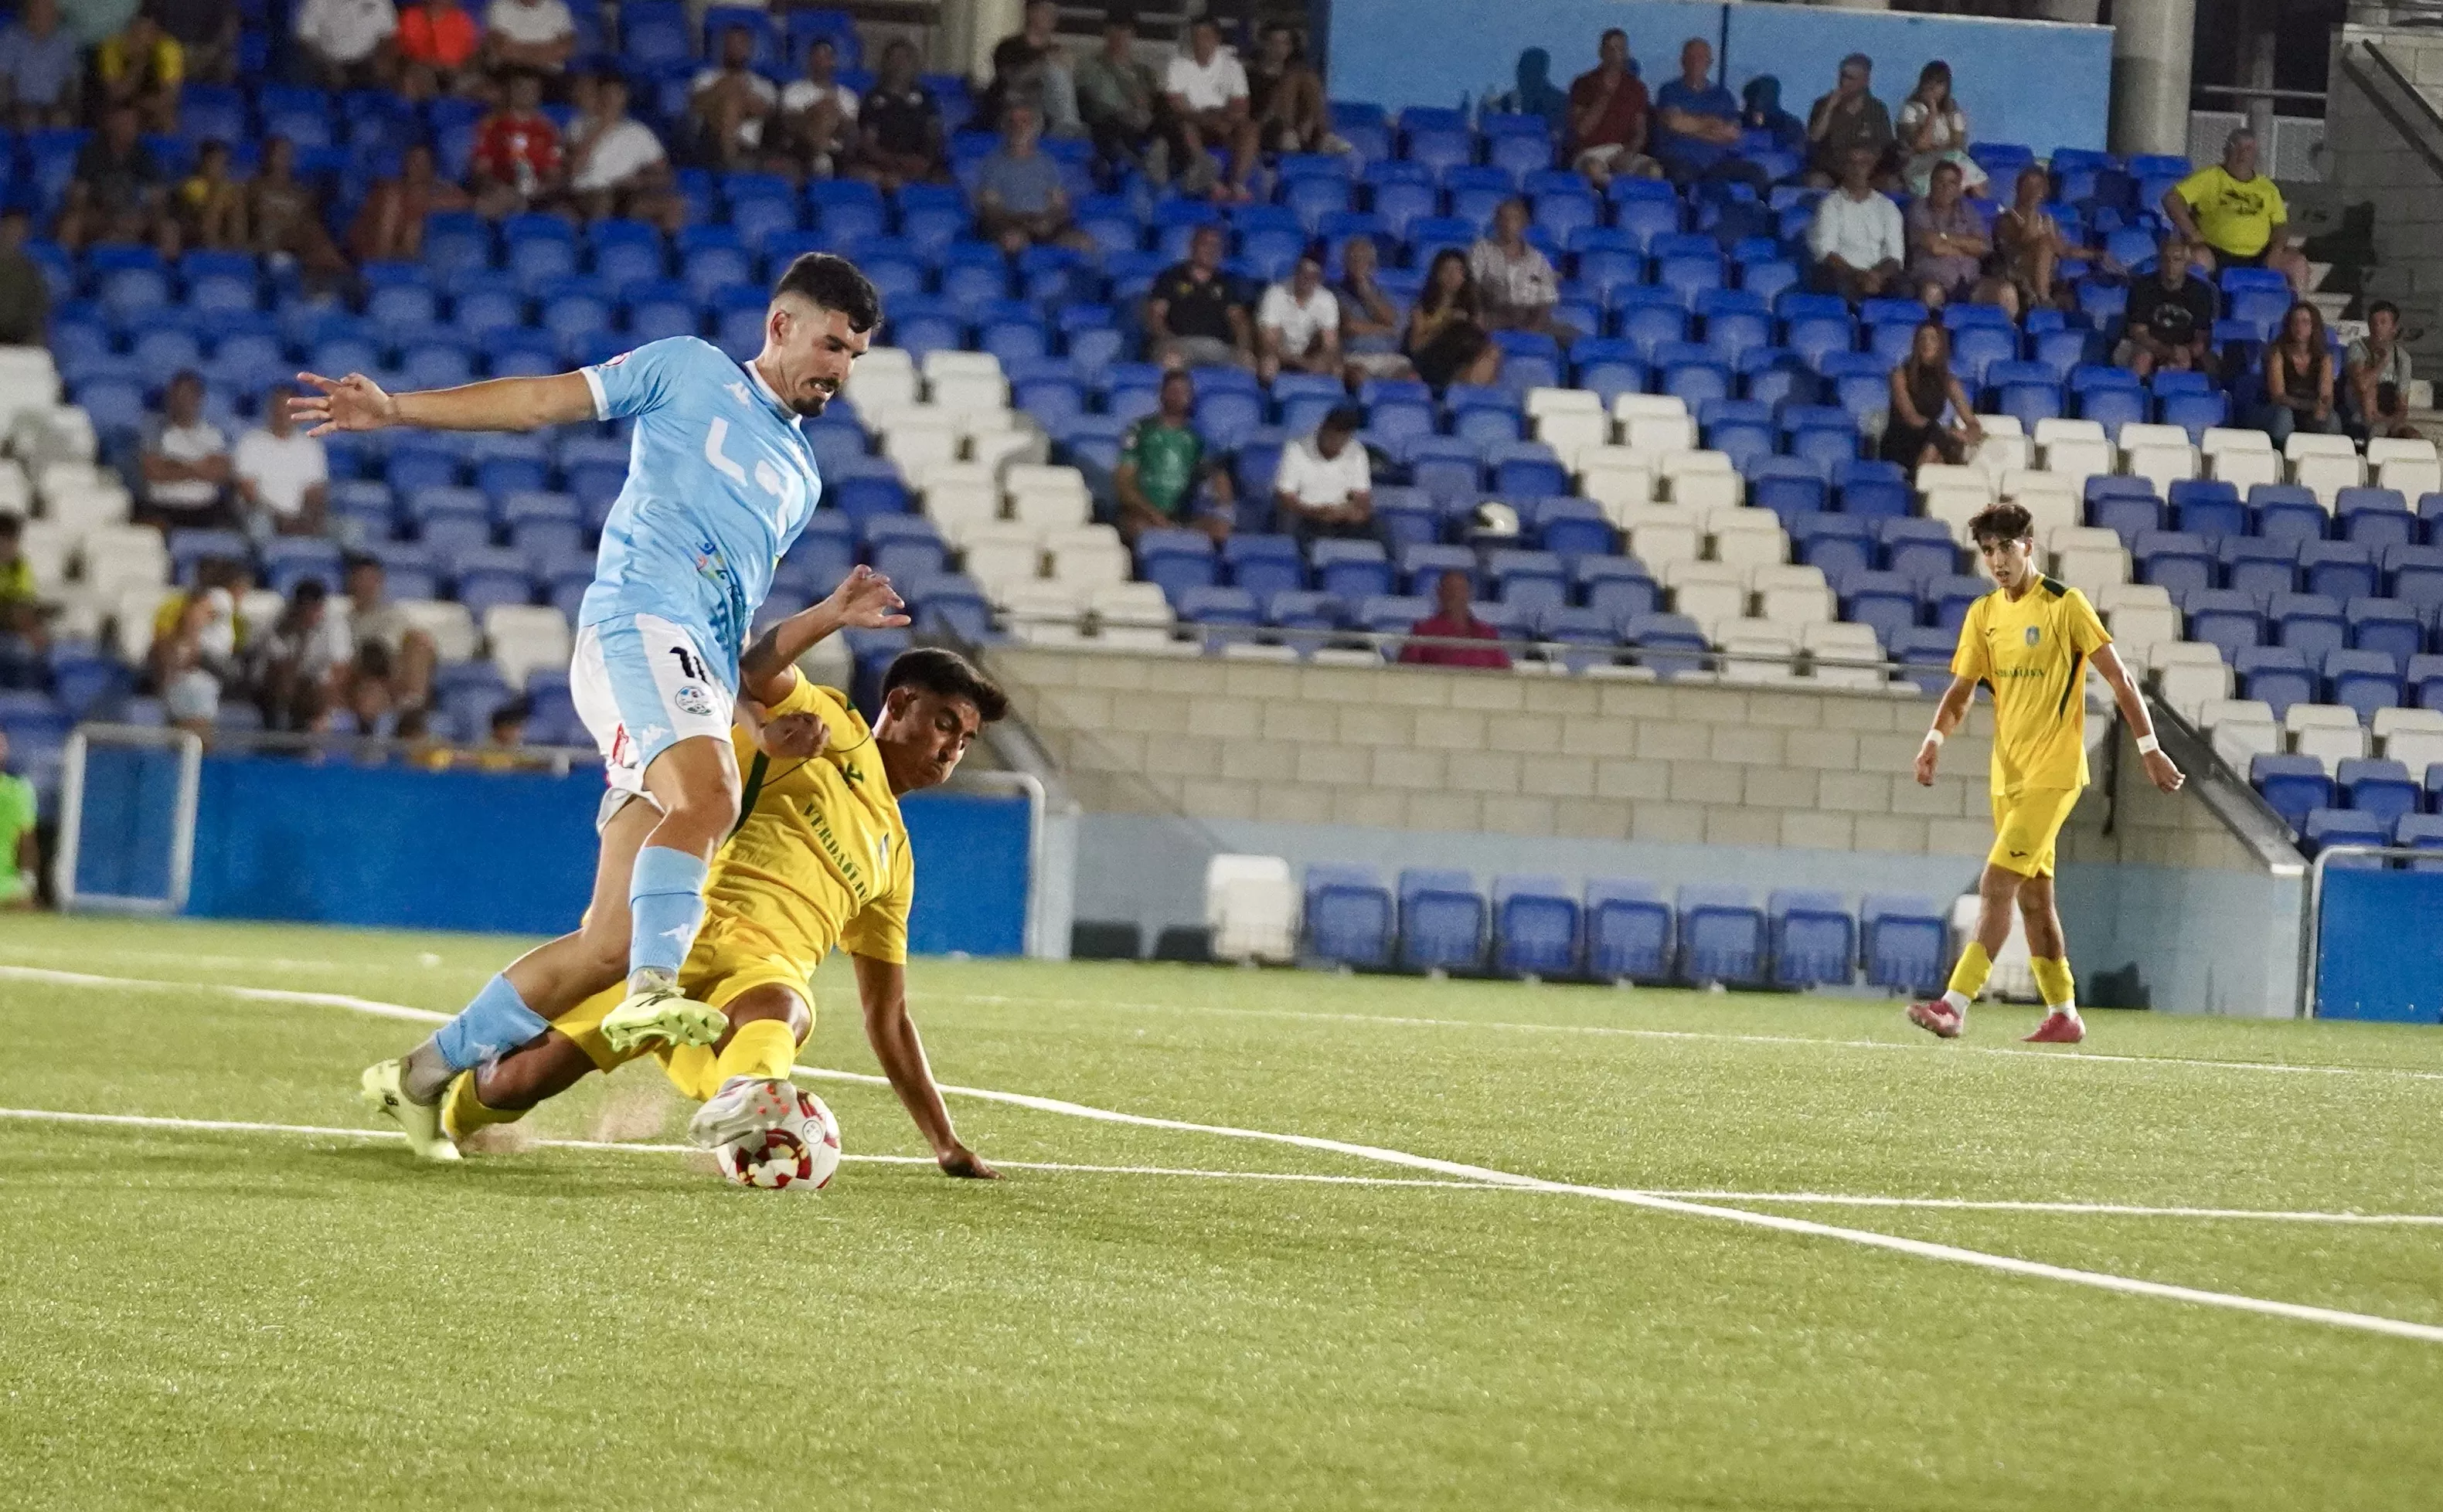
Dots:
pixel 2150 75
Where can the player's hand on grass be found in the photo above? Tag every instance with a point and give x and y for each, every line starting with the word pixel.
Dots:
pixel 958 1160
pixel 353 403
pixel 793 738
pixel 2161 770
pixel 1925 759
pixel 866 601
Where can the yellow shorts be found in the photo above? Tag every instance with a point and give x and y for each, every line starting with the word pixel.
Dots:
pixel 732 959
pixel 2026 824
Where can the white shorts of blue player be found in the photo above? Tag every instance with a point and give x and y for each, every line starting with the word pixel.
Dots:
pixel 641 684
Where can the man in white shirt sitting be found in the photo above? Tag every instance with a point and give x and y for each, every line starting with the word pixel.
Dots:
pixel 282 477
pixel 1857 238
pixel 346 42
pixel 819 112
pixel 1207 89
pixel 729 102
pixel 1298 324
pixel 616 166
pixel 536 35
pixel 185 462
pixel 1325 486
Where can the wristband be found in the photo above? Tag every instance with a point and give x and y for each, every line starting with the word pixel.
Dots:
pixel 1933 736
pixel 2148 745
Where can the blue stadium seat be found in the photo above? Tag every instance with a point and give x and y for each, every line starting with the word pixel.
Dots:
pixel 1270 565
pixel 1177 561
pixel 1721 935
pixel 1886 603
pixel 1422 567
pixel 2208 507
pixel 2414 575
pixel 2286 511
pixel 1877 490
pixel 1442 921
pixel 1528 581
pixel 1629 930
pixel 2174 559
pixel 2293 786
pixel 1839 544
pixel 2383 789
pixel 1592 636
pixel 2326 827
pixel 2258 567
pixel 1814 939
pixel 2227 619
pixel 2276 674
pixel 2338 568
pixel 904 547
pixel 1903 939
pixel 1951 597
pixel 1534 926
pixel 2311 624
pixel 1919 549
pixel 1573 526
pixel 2363 680
pixel 1218 606
pixel 2374 518
pixel 1924 654
pixel 2422 831
pixel 2387 627
pixel 1347 915
pixel 2127 513
pixel 1617 587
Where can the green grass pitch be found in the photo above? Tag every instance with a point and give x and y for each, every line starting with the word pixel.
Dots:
pixel 198 1319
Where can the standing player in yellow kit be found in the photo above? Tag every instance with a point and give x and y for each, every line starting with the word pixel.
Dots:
pixel 2032 640
pixel 819 858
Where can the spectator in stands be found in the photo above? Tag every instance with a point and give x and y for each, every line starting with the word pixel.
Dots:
pixel 118 193
pixel 369 707
pixel 1192 317
pixel 1516 285
pixel 389 224
pixel 2029 240
pixel 1122 104
pixel 615 163
pixel 1923 387
pixel 24 293
pixel 285 213
pixel 282 474
pixel 517 163
pixel 1028 66
pixel 1608 116
pixel 442 40
pixel 1933 131
pixel 1760 102
pixel 2170 317
pixel 1207 89
pixel 142 67
pixel 1698 125
pixel 22 635
pixel 195 641
pixel 539 36
pixel 1369 319
pixel 1848 118
pixel 1454 619
pixel 2377 375
pixel 504 747
pixel 41 71
pixel 185 462
pixel 1298 324
pixel 347 44
pixel 2299 376
pixel 1447 341
pixel 819 113
pixel 1325 484
pixel 280 665
pixel 1162 461
pixel 1285 97
pixel 2234 216
pixel 1946 240
pixel 899 124
pixel 211 205
pixel 367 618
pixel 1857 237
pixel 20 856
pixel 1019 201
pixel 729 100
pixel 206 31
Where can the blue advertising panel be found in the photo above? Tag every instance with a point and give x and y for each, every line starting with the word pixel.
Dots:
pixel 2379 953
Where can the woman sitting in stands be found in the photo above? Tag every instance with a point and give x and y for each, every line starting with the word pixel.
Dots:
pixel 1447 336
pixel 2029 241
pixel 2299 378
pixel 1933 129
pixel 1922 388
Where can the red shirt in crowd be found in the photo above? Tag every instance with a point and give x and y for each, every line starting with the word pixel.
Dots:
pixel 437 36
pixel 1613 127
pixel 508 141
pixel 1446 628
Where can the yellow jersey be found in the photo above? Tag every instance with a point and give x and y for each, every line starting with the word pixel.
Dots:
pixel 820 854
pixel 2234 216
pixel 2032 653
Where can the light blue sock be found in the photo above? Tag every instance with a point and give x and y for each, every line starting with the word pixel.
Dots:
pixel 665 908
pixel 497 1022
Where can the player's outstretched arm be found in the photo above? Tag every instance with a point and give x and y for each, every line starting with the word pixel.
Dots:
pixel 358 403
pixel 1947 715
pixel 882 987
pixel 864 600
pixel 2160 768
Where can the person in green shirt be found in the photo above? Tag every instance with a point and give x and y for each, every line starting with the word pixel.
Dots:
pixel 20 860
pixel 1161 462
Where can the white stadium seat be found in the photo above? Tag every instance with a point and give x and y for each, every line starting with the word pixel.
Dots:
pixel 2328 732
pixel 1838 641
pixel 1614 476
pixel 2161 464
pixel 1131 614
pixel 2077 460
pixel 1002 552
pixel 2317 444
pixel 1251 905
pixel 1041 611
pixel 1760 652
pixel 452 627
pixel 2244 470
pixel 524 637
pixel 132 609
pixel 1659 535
pixel 1087 554
pixel 1793 595
pixel 2222 439
pixel 1656 434
pixel 918 439
pixel 1627 406
pixel 2241 729
pixel 1550 401
pixel 1706 591
pixel 1747 538
pixel 1571 432
pixel 1936 475
pixel 2414 738
pixel 945 362
pixel 884 377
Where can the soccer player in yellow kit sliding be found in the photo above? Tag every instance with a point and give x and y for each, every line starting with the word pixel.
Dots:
pixel 2032 640
pixel 819 858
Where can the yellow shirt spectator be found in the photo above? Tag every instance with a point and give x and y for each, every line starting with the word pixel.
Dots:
pixel 168 61
pixel 2237 216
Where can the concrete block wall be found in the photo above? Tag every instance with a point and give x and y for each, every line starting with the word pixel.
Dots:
pixel 2369 161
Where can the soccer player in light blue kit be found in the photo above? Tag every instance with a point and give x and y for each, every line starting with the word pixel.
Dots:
pixel 720 483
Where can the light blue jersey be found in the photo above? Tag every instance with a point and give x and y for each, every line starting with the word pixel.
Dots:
pixel 720 483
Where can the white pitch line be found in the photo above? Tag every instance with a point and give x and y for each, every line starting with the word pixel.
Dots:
pixel 2010 1265
pixel 253 994
pixel 2107 1210
pixel 1909 1047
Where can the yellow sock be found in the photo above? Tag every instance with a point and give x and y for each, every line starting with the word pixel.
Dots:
pixel 462 1112
pixel 1968 977
pixel 762 1047
pixel 2053 980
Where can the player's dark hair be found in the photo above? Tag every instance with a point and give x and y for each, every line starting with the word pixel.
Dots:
pixel 946 674
pixel 833 283
pixel 2002 522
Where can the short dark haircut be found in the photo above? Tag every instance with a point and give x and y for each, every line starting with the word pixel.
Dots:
pixel 2002 522
pixel 1610 32
pixel 1347 418
pixel 2383 307
pixel 833 283
pixel 517 711
pixel 945 673
pixel 1176 375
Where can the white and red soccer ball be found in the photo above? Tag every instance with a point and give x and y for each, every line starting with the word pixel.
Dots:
pixel 796 1150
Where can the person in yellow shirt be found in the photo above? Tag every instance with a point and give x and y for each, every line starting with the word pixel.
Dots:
pixel 819 858
pixel 143 66
pixel 2030 640
pixel 2234 216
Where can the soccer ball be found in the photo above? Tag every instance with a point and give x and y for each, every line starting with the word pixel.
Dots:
pixel 797 1151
